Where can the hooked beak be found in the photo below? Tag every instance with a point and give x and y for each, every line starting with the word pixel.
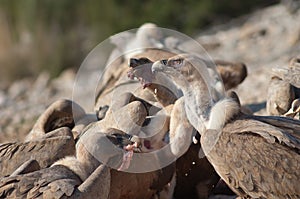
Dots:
pixel 159 66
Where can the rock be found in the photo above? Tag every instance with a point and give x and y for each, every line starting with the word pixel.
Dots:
pixel 262 40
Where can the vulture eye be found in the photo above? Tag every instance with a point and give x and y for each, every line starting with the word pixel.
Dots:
pixel 175 62
pixel 164 61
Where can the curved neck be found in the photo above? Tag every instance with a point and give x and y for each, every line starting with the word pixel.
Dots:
pixel 88 162
pixel 197 109
pixel 197 101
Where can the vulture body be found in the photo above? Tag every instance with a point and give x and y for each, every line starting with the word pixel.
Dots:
pixel 284 89
pixel 54 146
pixel 195 177
pixel 258 157
pixel 61 113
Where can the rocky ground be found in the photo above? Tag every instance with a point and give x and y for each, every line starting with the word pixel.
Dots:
pixel 265 39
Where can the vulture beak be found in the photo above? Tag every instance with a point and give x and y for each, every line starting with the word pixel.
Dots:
pixel 159 66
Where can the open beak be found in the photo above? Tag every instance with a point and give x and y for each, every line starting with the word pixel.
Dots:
pixel 133 62
pixel 136 140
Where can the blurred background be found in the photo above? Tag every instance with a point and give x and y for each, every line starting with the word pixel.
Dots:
pixel 44 42
pixel 47 35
